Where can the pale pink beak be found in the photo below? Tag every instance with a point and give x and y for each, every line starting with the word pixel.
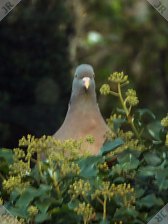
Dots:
pixel 86 81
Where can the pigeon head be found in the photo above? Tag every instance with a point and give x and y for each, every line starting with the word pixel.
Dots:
pixel 83 82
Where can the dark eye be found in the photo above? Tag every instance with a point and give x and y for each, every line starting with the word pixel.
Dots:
pixel 75 75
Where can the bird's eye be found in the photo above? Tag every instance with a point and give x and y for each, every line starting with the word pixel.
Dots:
pixel 93 75
pixel 75 75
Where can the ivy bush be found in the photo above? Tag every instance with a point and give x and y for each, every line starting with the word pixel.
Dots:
pixel 126 183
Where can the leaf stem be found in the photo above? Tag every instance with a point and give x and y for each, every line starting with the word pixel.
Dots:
pixel 99 200
pixel 114 93
pixel 122 100
pixel 104 208
pixel 56 184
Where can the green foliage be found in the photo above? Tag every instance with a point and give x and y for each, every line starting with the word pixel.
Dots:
pixel 127 183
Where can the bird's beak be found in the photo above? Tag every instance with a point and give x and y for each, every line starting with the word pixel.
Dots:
pixel 86 81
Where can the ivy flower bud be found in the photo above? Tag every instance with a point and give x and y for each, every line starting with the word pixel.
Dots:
pixel 86 211
pixel 105 89
pixel 132 99
pixel 11 183
pixel 79 187
pixel 90 139
pixel 164 121
pixel 32 210
pixel 118 77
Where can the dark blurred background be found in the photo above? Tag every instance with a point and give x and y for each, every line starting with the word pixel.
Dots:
pixel 41 42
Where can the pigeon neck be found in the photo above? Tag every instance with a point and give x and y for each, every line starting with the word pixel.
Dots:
pixel 83 99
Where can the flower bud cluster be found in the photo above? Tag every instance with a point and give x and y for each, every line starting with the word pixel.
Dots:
pixel 90 139
pixel 32 210
pixel 108 190
pixel 19 168
pixel 127 194
pixel 103 167
pixel 11 183
pixel 105 89
pixel 69 168
pixel 86 211
pixel 118 77
pixel 164 121
pixel 18 153
pixel 112 118
pixel 79 188
pixel 64 150
pixel 131 99
pixel 14 182
pixel 105 190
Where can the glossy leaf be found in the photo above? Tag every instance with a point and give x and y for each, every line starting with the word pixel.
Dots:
pixel 111 145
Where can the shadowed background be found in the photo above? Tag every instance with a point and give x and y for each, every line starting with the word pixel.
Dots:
pixel 41 42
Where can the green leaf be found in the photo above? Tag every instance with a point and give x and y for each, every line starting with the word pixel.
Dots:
pixel 40 218
pixel 31 193
pixel 110 146
pixel 73 204
pixel 119 180
pixel 147 171
pixel 162 179
pixel 88 166
pixel 26 197
pixel 7 154
pixel 139 192
pixel 104 221
pixel 150 201
pixel 43 205
pixel 14 195
pixel 117 123
pixel 145 114
pixel 125 212
pixel 128 161
pixel 154 130
pixel 120 110
pixel 152 158
pixel 18 212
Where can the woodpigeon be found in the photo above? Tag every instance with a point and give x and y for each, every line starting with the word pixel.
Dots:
pixel 83 116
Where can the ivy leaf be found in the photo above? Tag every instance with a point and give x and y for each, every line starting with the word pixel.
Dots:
pixel 150 201
pixel 162 179
pixel 154 130
pixel 7 154
pixel 43 205
pixel 40 218
pixel 145 115
pixel 26 197
pixel 30 194
pixel 110 146
pixel 18 211
pixel 152 159
pixel 128 161
pixel 125 212
pixel 147 171
pixel 117 123
pixel 88 166
pixel 104 221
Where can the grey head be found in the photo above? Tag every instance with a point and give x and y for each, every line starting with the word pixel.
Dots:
pixel 83 85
